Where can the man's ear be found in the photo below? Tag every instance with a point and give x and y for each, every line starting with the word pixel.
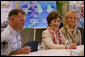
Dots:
pixel 12 18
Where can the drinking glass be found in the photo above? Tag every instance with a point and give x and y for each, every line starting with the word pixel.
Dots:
pixel 68 43
pixel 41 48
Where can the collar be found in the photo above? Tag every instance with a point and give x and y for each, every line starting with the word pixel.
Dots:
pixel 70 29
pixel 12 30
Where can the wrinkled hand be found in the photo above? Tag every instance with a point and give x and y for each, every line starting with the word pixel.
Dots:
pixel 66 47
pixel 72 46
pixel 25 50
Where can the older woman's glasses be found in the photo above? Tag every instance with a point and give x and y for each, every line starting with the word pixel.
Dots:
pixel 72 17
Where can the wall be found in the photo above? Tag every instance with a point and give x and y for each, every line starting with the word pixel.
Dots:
pixel 39 34
pixel 28 35
pixel 62 7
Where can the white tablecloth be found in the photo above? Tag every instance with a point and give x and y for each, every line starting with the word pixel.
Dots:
pixel 54 52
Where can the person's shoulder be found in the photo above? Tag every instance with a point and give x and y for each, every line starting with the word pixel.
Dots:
pixel 78 31
pixel 62 29
pixel 61 33
pixel 45 31
pixel 5 37
pixel 6 34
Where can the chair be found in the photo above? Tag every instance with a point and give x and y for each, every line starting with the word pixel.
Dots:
pixel 33 45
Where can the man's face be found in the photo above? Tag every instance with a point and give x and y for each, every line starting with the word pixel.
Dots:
pixel 19 21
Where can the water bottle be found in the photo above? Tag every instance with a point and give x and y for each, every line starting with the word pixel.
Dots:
pixel 40 47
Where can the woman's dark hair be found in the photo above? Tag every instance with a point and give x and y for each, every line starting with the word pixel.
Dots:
pixel 51 16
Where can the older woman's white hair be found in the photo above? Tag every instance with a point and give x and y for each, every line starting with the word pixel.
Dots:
pixel 67 15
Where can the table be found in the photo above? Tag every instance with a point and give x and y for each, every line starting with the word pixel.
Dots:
pixel 54 52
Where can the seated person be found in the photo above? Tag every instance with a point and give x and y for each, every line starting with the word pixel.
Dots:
pixel 70 29
pixel 52 37
pixel 10 37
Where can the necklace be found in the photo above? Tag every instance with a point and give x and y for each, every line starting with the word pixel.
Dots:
pixel 69 34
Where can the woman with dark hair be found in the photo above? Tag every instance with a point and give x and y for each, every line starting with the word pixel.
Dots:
pixel 52 38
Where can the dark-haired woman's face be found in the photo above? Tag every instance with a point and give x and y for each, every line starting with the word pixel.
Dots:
pixel 55 23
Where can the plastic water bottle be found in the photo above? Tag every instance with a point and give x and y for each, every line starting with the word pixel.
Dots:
pixel 40 47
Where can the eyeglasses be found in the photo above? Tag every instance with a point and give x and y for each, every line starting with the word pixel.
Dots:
pixel 72 17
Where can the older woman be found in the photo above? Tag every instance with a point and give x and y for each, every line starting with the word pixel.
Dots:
pixel 70 30
pixel 52 38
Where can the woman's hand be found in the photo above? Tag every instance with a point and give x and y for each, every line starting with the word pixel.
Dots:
pixel 66 47
pixel 72 46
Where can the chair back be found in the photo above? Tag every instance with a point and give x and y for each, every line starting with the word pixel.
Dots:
pixel 33 45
